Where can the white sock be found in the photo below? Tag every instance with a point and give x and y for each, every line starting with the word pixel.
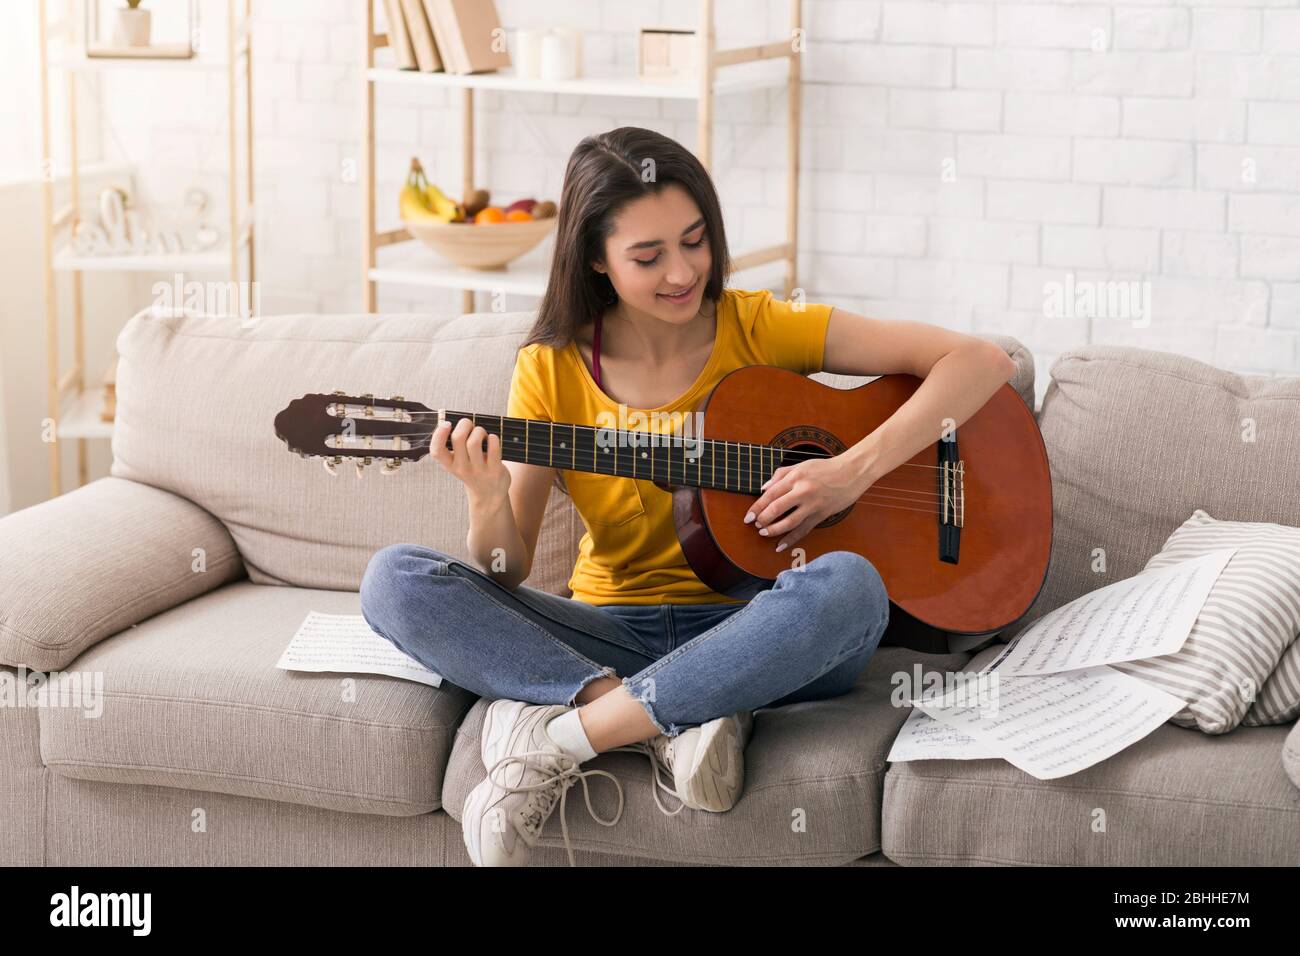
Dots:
pixel 567 731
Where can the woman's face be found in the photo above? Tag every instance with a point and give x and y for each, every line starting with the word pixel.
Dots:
pixel 659 246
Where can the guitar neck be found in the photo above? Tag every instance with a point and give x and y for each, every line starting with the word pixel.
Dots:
pixel 671 459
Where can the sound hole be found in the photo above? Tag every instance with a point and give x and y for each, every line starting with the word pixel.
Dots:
pixel 821 450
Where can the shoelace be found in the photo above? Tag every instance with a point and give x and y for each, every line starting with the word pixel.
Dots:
pixel 560 771
pixel 656 765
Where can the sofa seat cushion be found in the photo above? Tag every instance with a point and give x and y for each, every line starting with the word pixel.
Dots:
pixel 1177 797
pixel 812 795
pixel 191 698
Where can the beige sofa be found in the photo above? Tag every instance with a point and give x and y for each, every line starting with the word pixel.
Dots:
pixel 178 581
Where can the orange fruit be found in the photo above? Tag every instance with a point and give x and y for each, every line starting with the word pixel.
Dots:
pixel 490 215
pixel 518 215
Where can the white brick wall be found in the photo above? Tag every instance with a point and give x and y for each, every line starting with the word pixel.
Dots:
pixel 958 158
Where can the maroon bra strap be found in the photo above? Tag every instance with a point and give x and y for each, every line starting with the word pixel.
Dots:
pixel 595 352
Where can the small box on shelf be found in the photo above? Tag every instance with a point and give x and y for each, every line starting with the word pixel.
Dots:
pixel 666 54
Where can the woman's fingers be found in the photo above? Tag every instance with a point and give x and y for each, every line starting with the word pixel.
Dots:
pixel 438 444
pixel 458 451
pixel 473 449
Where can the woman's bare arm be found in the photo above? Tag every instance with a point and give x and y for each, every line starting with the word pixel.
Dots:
pixel 503 532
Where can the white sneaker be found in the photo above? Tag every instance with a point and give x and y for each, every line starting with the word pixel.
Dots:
pixel 527 772
pixel 706 763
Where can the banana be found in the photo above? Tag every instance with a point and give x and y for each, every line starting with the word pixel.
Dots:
pixel 413 203
pixel 446 208
pixel 412 206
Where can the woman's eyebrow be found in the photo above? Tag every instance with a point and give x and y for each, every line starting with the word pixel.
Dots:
pixel 651 243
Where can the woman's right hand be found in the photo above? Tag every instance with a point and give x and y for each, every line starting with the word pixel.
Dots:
pixel 486 478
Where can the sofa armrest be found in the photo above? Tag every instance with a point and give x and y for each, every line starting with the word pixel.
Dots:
pixel 87 564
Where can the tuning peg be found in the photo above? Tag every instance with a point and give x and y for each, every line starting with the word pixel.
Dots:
pixel 331 464
pixel 397 398
pixel 390 465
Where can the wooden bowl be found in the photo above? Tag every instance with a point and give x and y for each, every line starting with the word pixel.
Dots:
pixel 486 246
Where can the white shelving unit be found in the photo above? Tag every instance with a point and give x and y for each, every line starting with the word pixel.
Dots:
pixel 722 72
pixel 75 410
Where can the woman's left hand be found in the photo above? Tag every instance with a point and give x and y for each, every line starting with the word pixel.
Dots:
pixel 815 489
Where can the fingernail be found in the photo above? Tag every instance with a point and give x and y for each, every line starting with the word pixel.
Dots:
pixel 781 546
pixel 762 531
pixel 749 517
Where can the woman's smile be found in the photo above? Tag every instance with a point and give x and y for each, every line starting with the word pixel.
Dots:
pixel 683 297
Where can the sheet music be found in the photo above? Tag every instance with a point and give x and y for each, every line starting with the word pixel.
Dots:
pixel 924 738
pixel 1053 725
pixel 346 643
pixel 1147 615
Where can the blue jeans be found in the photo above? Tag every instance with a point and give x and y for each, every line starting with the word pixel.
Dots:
pixel 807 637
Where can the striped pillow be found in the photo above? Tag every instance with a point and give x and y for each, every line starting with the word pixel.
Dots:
pixel 1251 617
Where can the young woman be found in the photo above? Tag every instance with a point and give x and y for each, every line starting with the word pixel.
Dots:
pixel 644 656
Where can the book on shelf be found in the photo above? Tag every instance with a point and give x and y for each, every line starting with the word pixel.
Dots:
pixel 464 31
pixel 399 39
pixel 427 56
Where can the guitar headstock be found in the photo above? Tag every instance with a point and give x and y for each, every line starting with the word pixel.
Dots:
pixel 360 427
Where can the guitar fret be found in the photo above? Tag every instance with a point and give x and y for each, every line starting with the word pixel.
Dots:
pixel 745 465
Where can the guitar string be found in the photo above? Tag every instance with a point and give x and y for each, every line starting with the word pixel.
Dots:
pixel 869 498
pixel 743 458
pixel 520 425
pixel 547 461
pixel 872 500
pixel 739 447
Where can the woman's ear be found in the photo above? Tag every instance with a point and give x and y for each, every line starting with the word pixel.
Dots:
pixel 598 266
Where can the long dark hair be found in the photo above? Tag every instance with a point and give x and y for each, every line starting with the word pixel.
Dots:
pixel 606 171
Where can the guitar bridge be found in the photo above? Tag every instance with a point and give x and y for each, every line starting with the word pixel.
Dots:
pixel 952 498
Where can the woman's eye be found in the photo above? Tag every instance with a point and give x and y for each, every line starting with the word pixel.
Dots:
pixel 690 245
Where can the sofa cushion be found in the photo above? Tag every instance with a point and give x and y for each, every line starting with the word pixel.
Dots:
pixel 196 402
pixel 1177 797
pixel 83 565
pixel 1137 440
pixel 818 764
pixel 191 698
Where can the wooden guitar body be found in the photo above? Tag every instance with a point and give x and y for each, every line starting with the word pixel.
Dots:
pixel 1006 529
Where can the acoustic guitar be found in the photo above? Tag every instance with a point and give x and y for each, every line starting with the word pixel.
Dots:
pixel 961 533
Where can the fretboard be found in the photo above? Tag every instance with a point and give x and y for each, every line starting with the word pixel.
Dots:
pixel 706 463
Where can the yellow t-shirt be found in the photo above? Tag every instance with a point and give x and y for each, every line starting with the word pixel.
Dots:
pixel 630 553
